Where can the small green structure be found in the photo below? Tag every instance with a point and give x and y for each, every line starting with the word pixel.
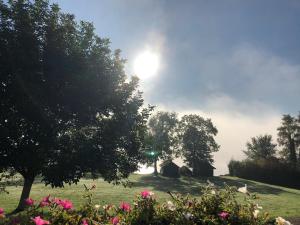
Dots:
pixel 169 169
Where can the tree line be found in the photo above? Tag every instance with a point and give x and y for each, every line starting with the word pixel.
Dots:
pixel 269 162
pixel 288 139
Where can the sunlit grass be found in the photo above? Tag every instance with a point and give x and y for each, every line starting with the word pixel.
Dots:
pixel 274 199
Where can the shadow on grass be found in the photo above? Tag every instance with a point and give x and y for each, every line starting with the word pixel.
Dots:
pixel 251 185
pixel 193 186
pixel 163 184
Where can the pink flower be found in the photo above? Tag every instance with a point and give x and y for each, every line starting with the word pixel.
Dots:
pixel 29 201
pixel 45 201
pixel 224 215
pixel 1 211
pixel 84 222
pixel 43 204
pixel 66 204
pixel 115 220
pixel 125 206
pixel 146 194
pixel 39 221
pixel 57 201
pixel 190 203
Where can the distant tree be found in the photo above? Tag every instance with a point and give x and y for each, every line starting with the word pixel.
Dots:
pixel 66 107
pixel 288 136
pixel 260 147
pixel 197 140
pixel 298 138
pixel 161 137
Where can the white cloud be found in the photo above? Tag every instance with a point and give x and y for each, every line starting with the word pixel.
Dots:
pixel 247 91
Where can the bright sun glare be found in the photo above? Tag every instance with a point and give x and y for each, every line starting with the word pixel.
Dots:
pixel 146 64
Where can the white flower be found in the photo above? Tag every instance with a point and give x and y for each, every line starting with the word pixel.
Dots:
pixel 97 206
pixel 106 207
pixel 210 183
pixel 281 221
pixel 258 207
pixel 188 215
pixel 213 192
pixel 171 205
pixel 255 213
pixel 243 189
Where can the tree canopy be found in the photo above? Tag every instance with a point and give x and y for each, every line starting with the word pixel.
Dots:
pixel 260 147
pixel 66 107
pixel 289 138
pixel 162 136
pixel 197 138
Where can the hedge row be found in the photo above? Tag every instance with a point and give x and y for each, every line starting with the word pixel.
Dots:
pixel 271 171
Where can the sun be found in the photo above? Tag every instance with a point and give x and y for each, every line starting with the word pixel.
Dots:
pixel 146 64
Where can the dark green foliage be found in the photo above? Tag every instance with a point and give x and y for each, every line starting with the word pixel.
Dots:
pixel 66 107
pixel 260 147
pixel 272 171
pixel 161 138
pixel 169 169
pixel 289 138
pixel 185 171
pixel 198 143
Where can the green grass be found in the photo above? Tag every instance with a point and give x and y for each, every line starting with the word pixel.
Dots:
pixel 274 199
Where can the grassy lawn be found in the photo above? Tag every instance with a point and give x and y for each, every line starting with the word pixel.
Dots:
pixel 274 199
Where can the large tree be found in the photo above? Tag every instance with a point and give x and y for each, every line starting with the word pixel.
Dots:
pixel 260 147
pixel 288 136
pixel 66 107
pixel 161 136
pixel 198 140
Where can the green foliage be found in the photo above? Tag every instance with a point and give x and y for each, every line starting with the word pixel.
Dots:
pixel 66 107
pixel 161 138
pixel 260 147
pixel 198 143
pixel 289 138
pixel 213 207
pixel 272 171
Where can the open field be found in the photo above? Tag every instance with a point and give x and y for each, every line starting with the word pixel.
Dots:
pixel 274 199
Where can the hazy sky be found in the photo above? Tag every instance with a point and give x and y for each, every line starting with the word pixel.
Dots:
pixel 236 62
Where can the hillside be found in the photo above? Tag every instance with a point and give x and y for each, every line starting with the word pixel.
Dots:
pixel 274 199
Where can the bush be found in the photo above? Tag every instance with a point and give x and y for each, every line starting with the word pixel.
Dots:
pixel 185 171
pixel 270 171
pixel 169 169
pixel 212 207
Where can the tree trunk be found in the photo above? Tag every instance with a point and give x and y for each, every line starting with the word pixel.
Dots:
pixel 155 167
pixel 28 181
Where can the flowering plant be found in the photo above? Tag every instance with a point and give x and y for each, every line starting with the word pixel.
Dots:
pixel 212 207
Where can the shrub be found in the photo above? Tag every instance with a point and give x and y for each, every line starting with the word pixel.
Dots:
pixel 185 171
pixel 271 171
pixel 213 207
